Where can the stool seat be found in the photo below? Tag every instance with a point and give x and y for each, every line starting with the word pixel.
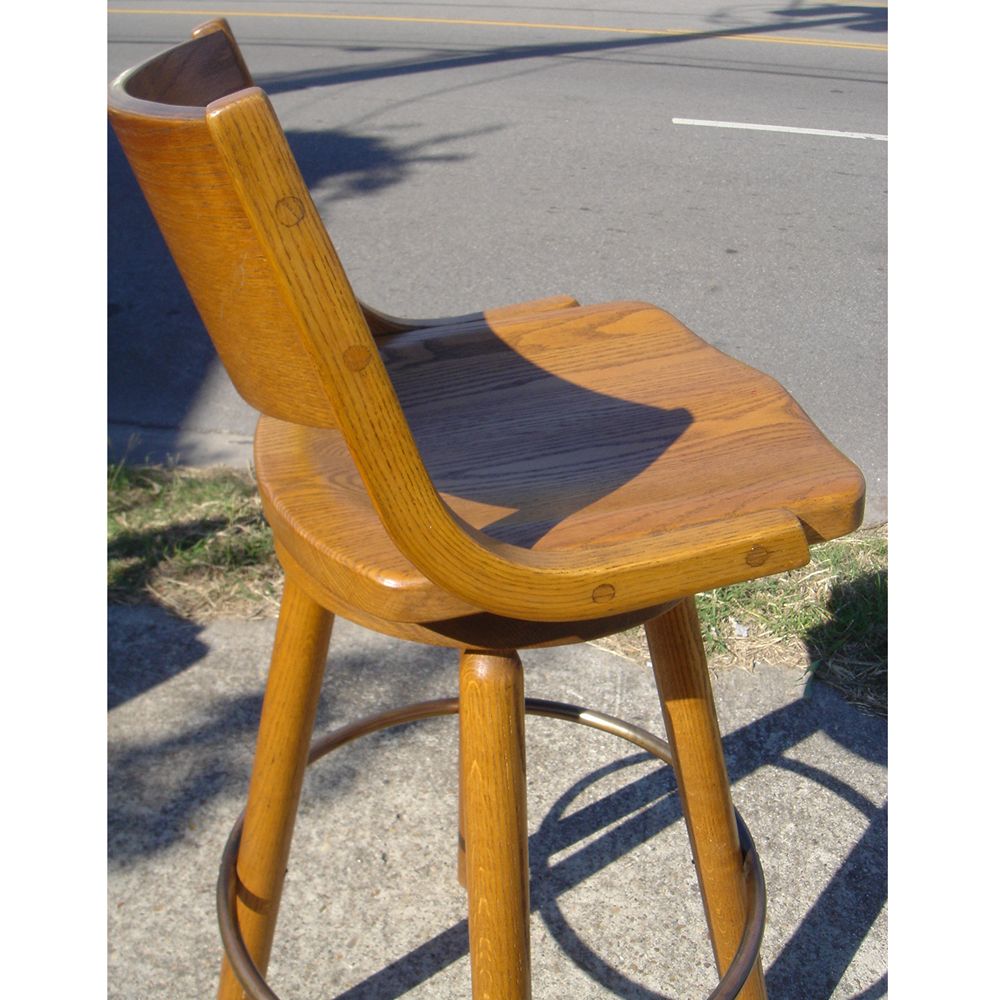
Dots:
pixel 572 428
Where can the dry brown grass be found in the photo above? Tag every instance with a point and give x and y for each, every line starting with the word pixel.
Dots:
pixel 192 540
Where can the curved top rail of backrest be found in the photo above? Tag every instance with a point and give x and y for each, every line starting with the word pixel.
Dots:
pixel 159 112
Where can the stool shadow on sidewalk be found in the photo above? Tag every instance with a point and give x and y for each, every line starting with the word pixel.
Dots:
pixel 817 954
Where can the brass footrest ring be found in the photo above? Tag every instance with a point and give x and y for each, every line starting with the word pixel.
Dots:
pixel 253 982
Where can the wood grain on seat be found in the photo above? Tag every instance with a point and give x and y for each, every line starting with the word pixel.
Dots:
pixel 579 428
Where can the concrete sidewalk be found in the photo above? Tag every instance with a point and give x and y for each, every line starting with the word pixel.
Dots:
pixel 372 908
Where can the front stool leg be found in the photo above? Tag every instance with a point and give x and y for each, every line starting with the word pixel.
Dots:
pixel 681 670
pixel 495 822
pixel 288 714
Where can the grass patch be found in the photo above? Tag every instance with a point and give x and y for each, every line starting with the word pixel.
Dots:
pixel 196 542
pixel 192 540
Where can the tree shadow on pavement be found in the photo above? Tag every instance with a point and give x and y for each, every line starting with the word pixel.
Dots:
pixel 792 18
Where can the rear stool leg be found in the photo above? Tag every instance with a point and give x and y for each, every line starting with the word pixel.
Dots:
pixel 682 680
pixel 495 822
pixel 287 716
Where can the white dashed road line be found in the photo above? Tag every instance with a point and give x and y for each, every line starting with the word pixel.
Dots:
pixel 782 128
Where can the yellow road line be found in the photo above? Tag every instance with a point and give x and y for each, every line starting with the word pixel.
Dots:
pixel 651 32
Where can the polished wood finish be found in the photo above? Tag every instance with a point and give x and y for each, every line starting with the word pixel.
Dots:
pixel 685 689
pixel 482 630
pixel 535 474
pixel 728 481
pixel 288 713
pixel 493 790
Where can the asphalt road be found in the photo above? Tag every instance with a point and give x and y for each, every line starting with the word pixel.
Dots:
pixel 461 164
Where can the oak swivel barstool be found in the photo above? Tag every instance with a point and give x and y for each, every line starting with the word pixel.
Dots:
pixel 532 475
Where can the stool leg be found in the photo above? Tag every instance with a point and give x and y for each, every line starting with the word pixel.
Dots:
pixel 681 671
pixel 460 867
pixel 287 716
pixel 495 816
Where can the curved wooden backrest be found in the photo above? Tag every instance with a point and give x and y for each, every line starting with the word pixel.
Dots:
pixel 158 112
pixel 215 167
pixel 214 164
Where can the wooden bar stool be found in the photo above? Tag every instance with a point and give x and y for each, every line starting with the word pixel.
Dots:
pixel 533 475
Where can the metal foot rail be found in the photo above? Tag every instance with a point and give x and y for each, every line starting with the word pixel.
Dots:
pixel 257 988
